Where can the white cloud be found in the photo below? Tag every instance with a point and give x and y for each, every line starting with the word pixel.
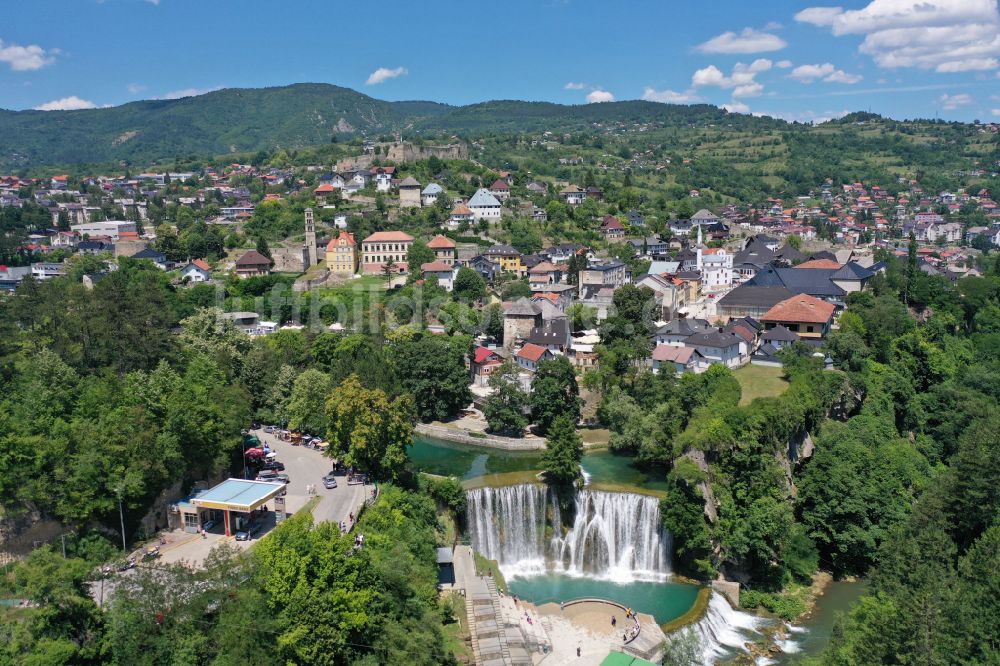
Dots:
pixel 943 35
pixel 574 86
pixel 809 73
pixel 670 96
pixel 188 92
pixel 783 64
pixel 825 71
pixel 384 74
pixel 840 76
pixel 746 41
pixel 709 76
pixel 995 112
pixel 952 102
pixel 135 88
pixel 26 58
pixel 748 90
pixel 819 15
pixel 71 103
pixel 597 96
pixel 736 107
pixel 742 80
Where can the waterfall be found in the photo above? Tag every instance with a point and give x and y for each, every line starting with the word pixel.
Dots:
pixel 724 629
pixel 616 536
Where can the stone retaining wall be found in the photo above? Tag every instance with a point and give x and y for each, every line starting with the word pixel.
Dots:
pixel 486 441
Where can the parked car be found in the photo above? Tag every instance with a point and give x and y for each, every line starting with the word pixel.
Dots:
pixel 273 465
pixel 283 478
pixel 245 534
pixel 269 429
pixel 207 525
pixel 329 481
pixel 266 475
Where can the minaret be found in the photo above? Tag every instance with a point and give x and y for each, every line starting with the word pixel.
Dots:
pixel 310 238
pixel 698 248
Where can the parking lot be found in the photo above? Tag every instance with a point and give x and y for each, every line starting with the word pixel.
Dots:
pixel 305 467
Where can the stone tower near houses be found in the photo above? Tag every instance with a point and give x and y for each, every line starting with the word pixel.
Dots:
pixel 310 248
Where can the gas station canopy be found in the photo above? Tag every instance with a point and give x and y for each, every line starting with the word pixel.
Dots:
pixel 238 495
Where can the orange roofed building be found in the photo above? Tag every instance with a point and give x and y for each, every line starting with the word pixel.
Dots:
pixel 383 247
pixel 803 314
pixel 342 254
pixel 444 249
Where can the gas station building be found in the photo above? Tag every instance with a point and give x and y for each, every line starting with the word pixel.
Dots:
pixel 234 503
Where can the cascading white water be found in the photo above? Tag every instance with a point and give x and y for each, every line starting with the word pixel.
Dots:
pixel 617 536
pixel 724 628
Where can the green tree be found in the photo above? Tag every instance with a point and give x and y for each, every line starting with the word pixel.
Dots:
pixel 306 406
pixel 506 405
pixel 469 284
pixel 432 370
pixel 554 393
pixel 563 452
pixel 683 511
pixel 418 255
pixel 368 430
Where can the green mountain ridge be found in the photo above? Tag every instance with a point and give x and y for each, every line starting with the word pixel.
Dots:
pixel 224 121
pixel 237 120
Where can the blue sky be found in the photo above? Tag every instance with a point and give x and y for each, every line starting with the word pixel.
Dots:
pixel 799 61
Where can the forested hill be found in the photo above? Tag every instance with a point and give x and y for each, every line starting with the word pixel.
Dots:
pixel 224 121
pixel 248 120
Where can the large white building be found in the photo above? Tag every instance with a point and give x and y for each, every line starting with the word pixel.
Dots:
pixel 715 265
pixel 112 228
pixel 484 206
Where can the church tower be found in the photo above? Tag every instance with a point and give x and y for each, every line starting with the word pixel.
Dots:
pixel 310 239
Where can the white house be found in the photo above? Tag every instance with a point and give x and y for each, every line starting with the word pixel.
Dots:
pixel 717 347
pixel 667 358
pixel 430 194
pixel 196 271
pixel 716 266
pixel 484 206
pixel 530 355
pixel 440 271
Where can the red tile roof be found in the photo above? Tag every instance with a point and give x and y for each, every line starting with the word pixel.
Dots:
pixel 440 242
pixel 482 354
pixel 435 267
pixel 801 308
pixel 388 236
pixel 532 352
pixel 671 353
pixel 201 264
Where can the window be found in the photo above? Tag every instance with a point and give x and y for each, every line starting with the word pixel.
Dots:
pixel 809 329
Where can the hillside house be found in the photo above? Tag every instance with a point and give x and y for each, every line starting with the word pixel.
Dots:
pixel 196 271
pixel 252 264
pixel 485 206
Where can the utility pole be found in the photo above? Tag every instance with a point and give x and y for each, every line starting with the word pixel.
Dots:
pixel 121 515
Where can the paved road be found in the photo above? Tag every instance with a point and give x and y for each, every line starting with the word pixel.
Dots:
pixel 306 466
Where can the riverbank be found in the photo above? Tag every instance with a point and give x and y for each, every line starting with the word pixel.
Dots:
pixel 458 435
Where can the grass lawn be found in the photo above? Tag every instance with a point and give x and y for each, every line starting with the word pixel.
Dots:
pixel 759 381
pixel 484 566
pixel 456 632
pixel 595 436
